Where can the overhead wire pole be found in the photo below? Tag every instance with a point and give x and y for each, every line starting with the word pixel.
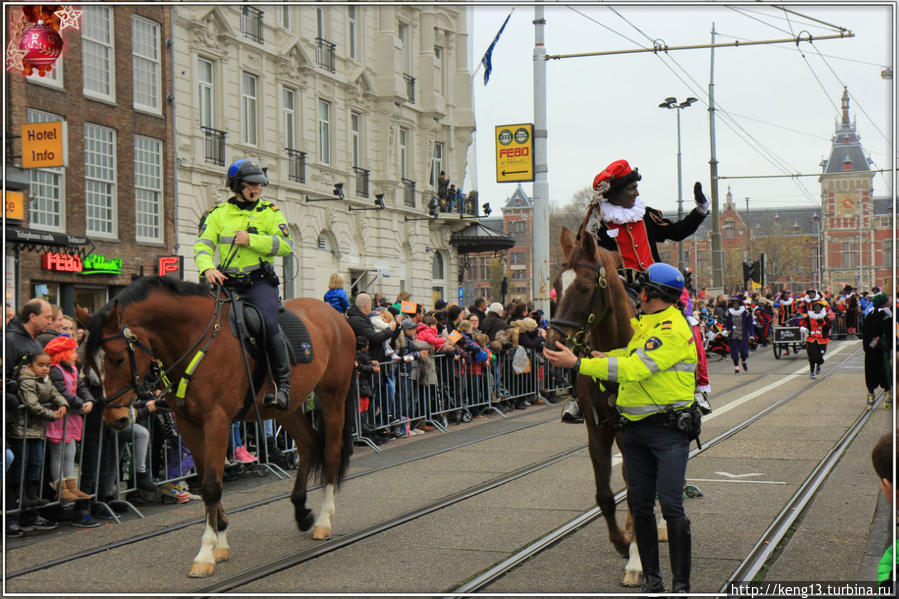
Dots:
pixel 541 183
pixel 717 285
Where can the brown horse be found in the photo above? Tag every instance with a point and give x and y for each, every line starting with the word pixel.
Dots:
pixel 178 323
pixel 594 313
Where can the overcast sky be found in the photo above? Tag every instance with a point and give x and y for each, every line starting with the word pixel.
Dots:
pixel 782 106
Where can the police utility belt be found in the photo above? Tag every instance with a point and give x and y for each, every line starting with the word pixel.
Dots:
pixel 686 420
pixel 264 272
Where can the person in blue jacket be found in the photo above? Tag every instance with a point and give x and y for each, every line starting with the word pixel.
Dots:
pixel 336 295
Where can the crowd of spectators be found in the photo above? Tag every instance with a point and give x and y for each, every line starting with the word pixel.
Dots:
pixel 446 355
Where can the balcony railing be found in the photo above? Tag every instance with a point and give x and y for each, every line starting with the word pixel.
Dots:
pixel 361 181
pixel 251 23
pixel 410 87
pixel 215 145
pixel 296 165
pixel 325 54
pixel 409 193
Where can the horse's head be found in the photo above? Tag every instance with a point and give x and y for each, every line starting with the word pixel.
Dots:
pixel 583 292
pixel 121 359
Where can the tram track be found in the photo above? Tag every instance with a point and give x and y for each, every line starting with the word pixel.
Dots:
pixel 497 571
pixel 264 502
pixel 494 573
pixel 753 562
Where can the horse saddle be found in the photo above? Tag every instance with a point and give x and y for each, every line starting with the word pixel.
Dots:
pixel 247 326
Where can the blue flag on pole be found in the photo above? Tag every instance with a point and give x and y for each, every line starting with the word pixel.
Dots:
pixel 486 61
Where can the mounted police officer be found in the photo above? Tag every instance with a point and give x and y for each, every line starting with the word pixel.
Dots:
pixel 248 233
pixel 655 373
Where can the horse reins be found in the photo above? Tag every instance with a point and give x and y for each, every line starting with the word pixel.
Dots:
pixel 579 342
pixel 131 340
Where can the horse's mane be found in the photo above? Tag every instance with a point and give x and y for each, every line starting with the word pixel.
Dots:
pixel 135 292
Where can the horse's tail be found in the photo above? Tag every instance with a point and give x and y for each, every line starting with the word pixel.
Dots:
pixel 346 446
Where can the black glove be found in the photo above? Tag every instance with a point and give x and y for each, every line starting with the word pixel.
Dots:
pixel 702 204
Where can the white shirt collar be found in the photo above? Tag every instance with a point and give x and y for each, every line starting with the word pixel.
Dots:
pixel 618 215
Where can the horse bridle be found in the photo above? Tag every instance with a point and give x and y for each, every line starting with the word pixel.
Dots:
pixel 579 342
pixel 131 340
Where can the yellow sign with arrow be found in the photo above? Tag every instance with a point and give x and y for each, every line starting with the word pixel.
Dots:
pixel 514 153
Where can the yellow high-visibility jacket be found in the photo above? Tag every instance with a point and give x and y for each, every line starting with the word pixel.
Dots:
pixel 656 370
pixel 271 239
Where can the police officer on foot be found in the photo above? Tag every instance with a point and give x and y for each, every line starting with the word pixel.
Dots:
pixel 655 373
pixel 248 233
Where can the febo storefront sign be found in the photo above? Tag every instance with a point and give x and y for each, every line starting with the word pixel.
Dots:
pixel 92 264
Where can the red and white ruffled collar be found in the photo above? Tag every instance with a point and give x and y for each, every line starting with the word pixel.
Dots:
pixel 617 215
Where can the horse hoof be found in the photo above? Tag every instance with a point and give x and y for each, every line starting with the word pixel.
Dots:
pixel 201 570
pixel 221 555
pixel 305 523
pixel 320 533
pixel 632 578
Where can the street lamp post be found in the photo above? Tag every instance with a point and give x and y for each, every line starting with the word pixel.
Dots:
pixel 670 103
pixel 819 281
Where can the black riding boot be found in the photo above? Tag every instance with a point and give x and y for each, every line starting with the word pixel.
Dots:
pixel 679 547
pixel 280 363
pixel 648 547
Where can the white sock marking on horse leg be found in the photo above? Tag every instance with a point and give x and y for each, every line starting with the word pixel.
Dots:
pixel 207 543
pixel 222 541
pixel 633 570
pixel 327 508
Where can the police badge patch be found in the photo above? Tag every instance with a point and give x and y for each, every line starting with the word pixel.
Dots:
pixel 652 343
pixel 284 230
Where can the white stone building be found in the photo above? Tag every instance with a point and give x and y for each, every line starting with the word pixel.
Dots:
pixel 378 98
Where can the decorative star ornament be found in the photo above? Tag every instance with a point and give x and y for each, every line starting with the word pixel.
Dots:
pixel 14 56
pixel 16 24
pixel 69 16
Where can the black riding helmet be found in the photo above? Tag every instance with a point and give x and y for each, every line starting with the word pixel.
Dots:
pixel 245 170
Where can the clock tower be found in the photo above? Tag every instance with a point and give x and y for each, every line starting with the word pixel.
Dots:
pixel 847 206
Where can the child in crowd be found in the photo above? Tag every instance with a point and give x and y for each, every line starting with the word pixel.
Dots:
pixel 63 433
pixel 366 368
pixel 26 434
pixel 336 296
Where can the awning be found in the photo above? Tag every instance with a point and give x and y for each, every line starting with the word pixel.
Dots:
pixel 46 241
pixel 477 238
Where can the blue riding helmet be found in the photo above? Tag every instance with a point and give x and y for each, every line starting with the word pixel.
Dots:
pixel 245 170
pixel 665 279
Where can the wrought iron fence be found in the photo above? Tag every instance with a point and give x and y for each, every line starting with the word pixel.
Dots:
pixel 215 145
pixel 296 165
pixel 326 54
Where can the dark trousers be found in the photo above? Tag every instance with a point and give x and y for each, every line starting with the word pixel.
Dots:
pixel 815 352
pixel 739 349
pixel 655 461
pixel 30 456
pixel 265 297
pixel 877 373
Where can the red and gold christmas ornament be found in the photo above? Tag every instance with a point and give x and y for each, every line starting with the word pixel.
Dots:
pixel 42 46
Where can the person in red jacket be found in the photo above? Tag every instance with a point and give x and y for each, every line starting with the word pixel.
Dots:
pixel 816 324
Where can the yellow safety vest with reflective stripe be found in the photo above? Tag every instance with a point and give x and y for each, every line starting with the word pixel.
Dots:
pixel 656 371
pixel 272 237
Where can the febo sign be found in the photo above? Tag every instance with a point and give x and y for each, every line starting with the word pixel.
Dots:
pixel 514 153
pixel 61 262
pixel 44 144
pixel 170 266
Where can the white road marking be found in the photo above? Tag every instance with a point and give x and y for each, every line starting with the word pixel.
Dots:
pixel 729 475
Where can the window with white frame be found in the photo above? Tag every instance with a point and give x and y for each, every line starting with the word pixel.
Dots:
pixel 352 27
pixel 52 78
pixel 289 117
pixel 286 21
pixel 324 132
pixel 206 82
pixel 320 22
pixel 848 254
pixel 436 163
pixel 146 64
pixel 438 69
pixel 355 136
pixel 46 192
pixel 98 52
pixel 403 141
pixel 147 189
pixel 248 89
pixel 100 180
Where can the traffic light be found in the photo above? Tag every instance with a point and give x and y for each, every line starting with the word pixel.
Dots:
pixel 688 279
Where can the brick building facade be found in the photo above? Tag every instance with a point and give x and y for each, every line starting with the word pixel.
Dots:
pixel 112 88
